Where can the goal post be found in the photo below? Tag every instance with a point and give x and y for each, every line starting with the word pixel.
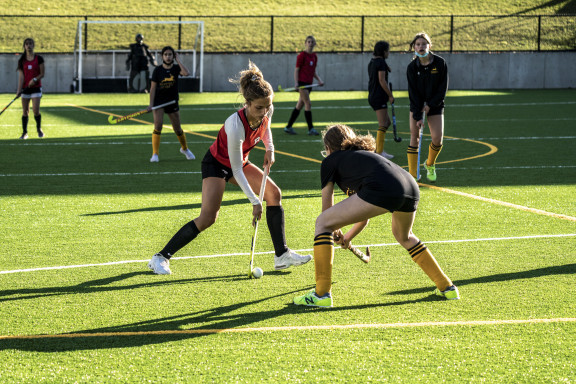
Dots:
pixel 193 54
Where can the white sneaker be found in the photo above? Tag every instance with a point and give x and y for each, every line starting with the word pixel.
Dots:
pixel 289 259
pixel 154 158
pixel 386 155
pixel 160 265
pixel 189 155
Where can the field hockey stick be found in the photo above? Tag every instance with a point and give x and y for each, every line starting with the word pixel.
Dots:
pixel 112 120
pixel 261 198
pixel 420 144
pixel 10 103
pixel 396 138
pixel 358 253
pixel 280 89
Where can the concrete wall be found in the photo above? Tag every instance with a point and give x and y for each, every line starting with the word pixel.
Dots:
pixel 339 71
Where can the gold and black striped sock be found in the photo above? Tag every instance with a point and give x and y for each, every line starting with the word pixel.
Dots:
pixel 323 261
pixel 412 154
pixel 424 258
pixel 433 152
pixel 182 140
pixel 156 142
pixel 380 137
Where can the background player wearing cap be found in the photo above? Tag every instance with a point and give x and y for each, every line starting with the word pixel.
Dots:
pixel 137 62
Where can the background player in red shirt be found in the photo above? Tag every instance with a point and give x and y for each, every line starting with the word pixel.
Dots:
pixel 304 74
pixel 227 161
pixel 30 73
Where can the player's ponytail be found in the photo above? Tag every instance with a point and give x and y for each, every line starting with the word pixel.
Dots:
pixel 251 83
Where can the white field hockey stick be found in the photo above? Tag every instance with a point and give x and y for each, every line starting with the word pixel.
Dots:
pixel 112 120
pixel 261 198
pixel 420 145
pixel 10 103
pixel 280 89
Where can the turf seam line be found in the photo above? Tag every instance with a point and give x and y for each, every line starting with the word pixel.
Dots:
pixel 295 328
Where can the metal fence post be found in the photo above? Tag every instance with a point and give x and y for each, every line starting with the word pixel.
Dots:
pixel 451 32
pixel 179 33
pixel 362 39
pixel 86 34
pixel 539 30
pixel 271 34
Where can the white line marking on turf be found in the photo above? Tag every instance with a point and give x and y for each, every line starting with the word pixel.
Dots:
pixel 271 252
pixel 298 328
pixel 278 171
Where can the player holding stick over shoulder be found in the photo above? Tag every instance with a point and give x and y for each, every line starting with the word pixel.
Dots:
pixel 164 89
pixel 374 186
pixel 427 77
pixel 227 161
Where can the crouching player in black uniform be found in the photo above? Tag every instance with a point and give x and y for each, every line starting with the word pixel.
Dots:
pixel 375 186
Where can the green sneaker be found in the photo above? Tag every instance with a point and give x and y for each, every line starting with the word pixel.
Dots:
pixel 431 172
pixel 450 294
pixel 310 299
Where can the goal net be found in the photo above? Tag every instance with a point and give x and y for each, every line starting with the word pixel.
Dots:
pixel 101 50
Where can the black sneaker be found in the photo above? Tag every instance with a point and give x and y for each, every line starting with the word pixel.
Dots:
pixel 290 131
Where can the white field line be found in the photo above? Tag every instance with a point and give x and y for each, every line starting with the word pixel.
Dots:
pixel 298 250
pixel 279 171
pixel 48 144
pixel 466 323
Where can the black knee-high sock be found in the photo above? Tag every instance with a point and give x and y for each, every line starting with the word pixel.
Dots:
pixel 275 219
pixel 308 116
pixel 185 235
pixel 38 119
pixel 25 124
pixel 293 117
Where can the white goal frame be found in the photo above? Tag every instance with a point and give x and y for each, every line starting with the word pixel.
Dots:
pixel 197 70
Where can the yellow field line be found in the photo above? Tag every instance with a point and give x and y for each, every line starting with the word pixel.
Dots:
pixel 294 328
pixel 499 202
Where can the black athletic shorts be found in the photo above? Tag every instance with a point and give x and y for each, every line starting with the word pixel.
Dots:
pixel 378 103
pixel 303 83
pixel 169 108
pixel 213 168
pixel 436 111
pixel 374 193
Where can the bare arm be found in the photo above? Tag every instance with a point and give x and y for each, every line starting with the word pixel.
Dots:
pixel 183 70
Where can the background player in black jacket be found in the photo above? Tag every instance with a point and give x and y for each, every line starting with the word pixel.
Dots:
pixel 137 63
pixel 374 186
pixel 427 86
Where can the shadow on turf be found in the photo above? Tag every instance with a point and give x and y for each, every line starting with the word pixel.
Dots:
pixel 530 274
pixel 194 206
pixel 169 329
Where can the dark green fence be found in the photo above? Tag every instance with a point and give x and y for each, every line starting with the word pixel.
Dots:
pixel 243 34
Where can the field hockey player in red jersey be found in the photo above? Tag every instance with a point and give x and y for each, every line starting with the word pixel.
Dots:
pixel 30 74
pixel 164 89
pixel 227 161
pixel 304 75
pixel 427 77
pixel 374 186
